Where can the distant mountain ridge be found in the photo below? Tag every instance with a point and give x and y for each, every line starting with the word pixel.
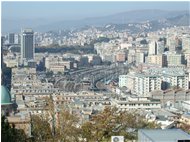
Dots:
pixel 180 20
pixel 139 16
pixel 135 16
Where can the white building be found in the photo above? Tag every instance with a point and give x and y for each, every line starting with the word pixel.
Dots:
pixel 146 83
pixel 152 48
pixel 57 64
pixel 127 103
pixel 174 79
pixel 186 105
pixel 160 47
pixel 175 59
pixel 171 43
pixel 125 45
pixel 128 81
pixel 123 80
pixel 139 57
pixel 186 44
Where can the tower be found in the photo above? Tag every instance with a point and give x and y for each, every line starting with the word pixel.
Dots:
pixel 11 38
pixel 152 48
pixel 27 45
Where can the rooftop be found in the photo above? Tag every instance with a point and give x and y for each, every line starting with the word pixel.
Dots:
pixel 19 118
pixel 187 115
pixel 167 135
pixel 28 30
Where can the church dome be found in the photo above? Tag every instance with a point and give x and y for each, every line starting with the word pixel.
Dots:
pixel 5 96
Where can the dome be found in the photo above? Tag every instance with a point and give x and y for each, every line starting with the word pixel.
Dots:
pixel 5 96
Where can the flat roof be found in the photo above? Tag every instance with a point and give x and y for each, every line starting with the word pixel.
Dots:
pixel 165 135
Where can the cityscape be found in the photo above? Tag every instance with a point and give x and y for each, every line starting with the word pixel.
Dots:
pixel 95 71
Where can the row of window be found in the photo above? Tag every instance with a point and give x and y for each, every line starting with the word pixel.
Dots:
pixel 86 97
pixel 153 104
pixel 33 91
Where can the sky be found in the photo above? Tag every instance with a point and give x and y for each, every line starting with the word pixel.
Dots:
pixel 79 10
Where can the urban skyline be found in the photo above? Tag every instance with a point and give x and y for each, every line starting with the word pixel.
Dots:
pixel 122 77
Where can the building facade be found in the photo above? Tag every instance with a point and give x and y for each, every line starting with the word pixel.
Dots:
pixel 11 38
pixel 127 81
pixel 157 59
pixel 120 57
pixel 152 48
pixel 123 80
pixel 140 58
pixel 175 59
pixel 147 83
pixel 27 45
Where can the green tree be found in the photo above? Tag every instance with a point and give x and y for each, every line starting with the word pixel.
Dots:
pixel 49 74
pixel 68 129
pixel 41 130
pixel 10 133
pixel 112 122
pixel 86 130
pixel 65 125
pixel 101 126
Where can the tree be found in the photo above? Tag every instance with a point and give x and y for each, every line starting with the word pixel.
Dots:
pixel 68 130
pixel 41 130
pixel 112 122
pixel 86 130
pixel 101 126
pixel 10 133
pixel 49 74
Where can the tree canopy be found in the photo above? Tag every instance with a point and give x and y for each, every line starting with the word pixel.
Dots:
pixel 101 127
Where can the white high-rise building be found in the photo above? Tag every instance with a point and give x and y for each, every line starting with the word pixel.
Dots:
pixel 17 39
pixel 147 83
pixel 27 45
pixel 152 48
pixel 123 80
pixel 160 47
pixel 171 43
pixel 178 79
pixel 186 44
pixel 139 58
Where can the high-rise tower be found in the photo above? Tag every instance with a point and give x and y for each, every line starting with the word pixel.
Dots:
pixel 27 45
pixel 11 38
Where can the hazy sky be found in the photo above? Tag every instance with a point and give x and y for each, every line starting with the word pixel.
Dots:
pixel 78 10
